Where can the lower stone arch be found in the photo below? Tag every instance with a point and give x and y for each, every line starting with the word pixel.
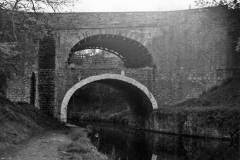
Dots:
pixel 71 91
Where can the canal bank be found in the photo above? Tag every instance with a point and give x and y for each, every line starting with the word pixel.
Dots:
pixel 221 122
pixel 199 122
pixel 214 114
pixel 120 143
pixel 212 122
pixel 62 144
pixel 26 133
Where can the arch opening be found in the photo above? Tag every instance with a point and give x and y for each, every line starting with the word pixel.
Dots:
pixel 144 101
pixel 95 58
pixel 133 53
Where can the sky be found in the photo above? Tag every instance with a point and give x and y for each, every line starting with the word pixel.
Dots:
pixel 128 5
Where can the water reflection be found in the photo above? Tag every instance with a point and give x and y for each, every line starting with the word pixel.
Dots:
pixel 125 144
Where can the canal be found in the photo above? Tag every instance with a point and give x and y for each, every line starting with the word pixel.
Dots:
pixel 121 143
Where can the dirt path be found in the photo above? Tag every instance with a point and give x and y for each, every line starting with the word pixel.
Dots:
pixel 66 144
pixel 44 147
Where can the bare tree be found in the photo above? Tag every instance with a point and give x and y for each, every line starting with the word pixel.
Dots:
pixel 22 26
pixel 233 4
pixel 11 7
pixel 33 5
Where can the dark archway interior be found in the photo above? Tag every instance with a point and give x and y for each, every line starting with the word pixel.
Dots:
pixel 133 53
pixel 109 98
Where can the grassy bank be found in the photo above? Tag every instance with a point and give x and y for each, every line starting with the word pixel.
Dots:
pixel 20 122
pixel 215 113
pixel 16 125
pixel 226 94
pixel 80 147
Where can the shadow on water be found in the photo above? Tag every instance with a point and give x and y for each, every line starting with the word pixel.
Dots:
pixel 122 146
pixel 120 143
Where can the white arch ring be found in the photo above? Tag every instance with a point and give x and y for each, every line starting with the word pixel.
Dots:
pixel 71 91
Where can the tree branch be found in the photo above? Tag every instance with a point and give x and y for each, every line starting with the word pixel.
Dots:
pixel 33 6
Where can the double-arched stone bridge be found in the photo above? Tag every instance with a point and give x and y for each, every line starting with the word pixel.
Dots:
pixel 166 57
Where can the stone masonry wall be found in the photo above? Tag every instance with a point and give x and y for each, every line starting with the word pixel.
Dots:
pixel 46 76
pixel 192 49
pixel 72 75
pixel 19 82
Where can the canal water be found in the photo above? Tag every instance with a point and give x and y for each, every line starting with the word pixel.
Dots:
pixel 120 143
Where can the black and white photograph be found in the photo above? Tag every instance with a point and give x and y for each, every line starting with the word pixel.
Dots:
pixel 119 79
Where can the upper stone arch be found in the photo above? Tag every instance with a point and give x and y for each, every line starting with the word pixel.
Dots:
pixel 133 53
pixel 116 77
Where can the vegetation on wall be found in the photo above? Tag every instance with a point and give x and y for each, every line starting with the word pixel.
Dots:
pixel 9 65
pixel 21 28
pixel 233 4
pixel 234 7
pixel 216 108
